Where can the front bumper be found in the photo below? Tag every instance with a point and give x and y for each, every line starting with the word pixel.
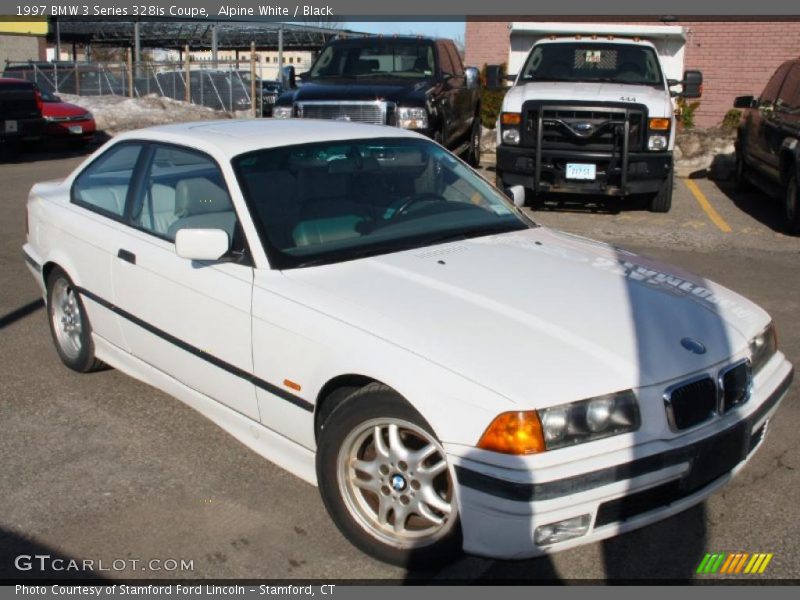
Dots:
pixel 641 173
pixel 501 507
pixel 84 128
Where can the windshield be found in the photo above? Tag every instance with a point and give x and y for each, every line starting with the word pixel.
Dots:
pixel 617 63
pixel 375 58
pixel 336 201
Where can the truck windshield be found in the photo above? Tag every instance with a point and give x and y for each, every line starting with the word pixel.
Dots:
pixel 375 58
pixel 615 63
pixel 342 200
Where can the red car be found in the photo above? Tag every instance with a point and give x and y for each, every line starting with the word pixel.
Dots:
pixel 63 119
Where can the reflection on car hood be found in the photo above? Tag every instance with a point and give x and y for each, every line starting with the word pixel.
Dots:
pixel 539 316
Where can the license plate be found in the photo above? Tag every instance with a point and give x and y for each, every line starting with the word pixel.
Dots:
pixel 11 127
pixel 717 456
pixel 580 171
pixel 76 129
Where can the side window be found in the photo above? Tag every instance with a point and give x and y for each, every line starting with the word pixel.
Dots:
pixel 182 189
pixel 445 63
pixel 455 59
pixel 103 185
pixel 789 95
pixel 771 91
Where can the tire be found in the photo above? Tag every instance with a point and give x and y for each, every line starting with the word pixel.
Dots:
pixel 474 152
pixel 661 202
pixel 366 501
pixel 791 205
pixel 740 173
pixel 69 324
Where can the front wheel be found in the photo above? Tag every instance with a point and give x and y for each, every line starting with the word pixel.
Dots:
pixel 385 480
pixel 791 205
pixel 662 200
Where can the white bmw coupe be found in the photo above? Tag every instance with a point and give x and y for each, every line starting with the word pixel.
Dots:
pixel 358 306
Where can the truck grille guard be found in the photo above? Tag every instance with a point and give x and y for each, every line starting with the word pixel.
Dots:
pixel 615 128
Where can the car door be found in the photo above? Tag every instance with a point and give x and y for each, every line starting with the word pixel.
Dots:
pixel 92 227
pixel 448 96
pixel 761 126
pixel 787 110
pixel 189 319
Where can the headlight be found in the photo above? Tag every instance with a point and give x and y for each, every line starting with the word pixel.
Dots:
pixel 282 112
pixel 530 432
pixel 412 118
pixel 762 347
pixel 657 142
pixel 509 127
pixel 588 420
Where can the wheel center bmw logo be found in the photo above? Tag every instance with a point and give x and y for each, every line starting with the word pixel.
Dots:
pixel 693 346
pixel 398 483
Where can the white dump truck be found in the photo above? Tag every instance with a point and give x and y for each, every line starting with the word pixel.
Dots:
pixel 591 110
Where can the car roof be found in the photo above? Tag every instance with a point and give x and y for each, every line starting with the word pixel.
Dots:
pixel 232 137
pixel 14 80
pixel 585 39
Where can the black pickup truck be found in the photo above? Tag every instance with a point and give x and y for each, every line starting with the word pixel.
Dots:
pixel 20 111
pixel 411 82
pixel 768 141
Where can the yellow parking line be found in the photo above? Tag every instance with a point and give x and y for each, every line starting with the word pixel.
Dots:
pixel 706 206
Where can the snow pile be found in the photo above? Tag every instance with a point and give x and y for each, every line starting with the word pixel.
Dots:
pixel 115 114
pixel 705 151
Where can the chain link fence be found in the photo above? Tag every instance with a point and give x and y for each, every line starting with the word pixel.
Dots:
pixel 223 86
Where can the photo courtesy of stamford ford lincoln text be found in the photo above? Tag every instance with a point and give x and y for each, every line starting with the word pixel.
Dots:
pixel 330 299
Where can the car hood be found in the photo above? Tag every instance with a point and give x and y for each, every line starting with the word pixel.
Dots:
pixel 656 99
pixel 538 316
pixel 62 109
pixel 365 90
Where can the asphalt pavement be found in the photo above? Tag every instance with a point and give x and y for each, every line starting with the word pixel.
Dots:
pixel 101 467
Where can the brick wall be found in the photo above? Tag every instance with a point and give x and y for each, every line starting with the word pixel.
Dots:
pixel 19 47
pixel 736 57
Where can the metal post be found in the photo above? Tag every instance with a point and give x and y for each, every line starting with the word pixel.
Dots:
pixel 137 46
pixel 253 78
pixel 188 75
pixel 58 41
pixel 130 74
pixel 214 45
pixel 280 51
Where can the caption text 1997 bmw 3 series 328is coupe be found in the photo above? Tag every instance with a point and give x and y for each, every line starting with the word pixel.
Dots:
pixel 358 306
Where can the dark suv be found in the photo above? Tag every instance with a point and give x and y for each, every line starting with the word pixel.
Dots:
pixel 411 82
pixel 20 111
pixel 768 141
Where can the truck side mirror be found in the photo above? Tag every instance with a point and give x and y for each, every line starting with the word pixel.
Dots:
pixel 517 195
pixel 473 78
pixel 692 84
pixel 288 79
pixel 744 102
pixel 494 77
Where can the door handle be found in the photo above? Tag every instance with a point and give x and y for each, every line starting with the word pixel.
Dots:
pixel 127 256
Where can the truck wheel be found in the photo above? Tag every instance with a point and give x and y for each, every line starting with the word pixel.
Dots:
pixel 740 172
pixel 791 205
pixel 474 153
pixel 662 200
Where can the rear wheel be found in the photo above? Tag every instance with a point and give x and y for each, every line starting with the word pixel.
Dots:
pixel 385 480
pixel 69 325
pixel 791 205
pixel 661 202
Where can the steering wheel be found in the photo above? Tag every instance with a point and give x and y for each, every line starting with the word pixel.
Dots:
pixel 406 203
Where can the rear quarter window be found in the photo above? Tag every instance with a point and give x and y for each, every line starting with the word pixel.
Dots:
pixel 103 186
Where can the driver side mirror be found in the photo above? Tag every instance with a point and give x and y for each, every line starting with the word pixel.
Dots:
pixel 202 244
pixel 745 102
pixel 288 78
pixel 517 195
pixel 692 84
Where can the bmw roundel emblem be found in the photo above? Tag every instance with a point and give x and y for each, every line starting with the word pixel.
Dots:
pixel 693 346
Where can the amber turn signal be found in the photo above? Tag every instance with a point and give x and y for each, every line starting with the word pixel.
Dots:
pixel 510 118
pixel 659 124
pixel 514 433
